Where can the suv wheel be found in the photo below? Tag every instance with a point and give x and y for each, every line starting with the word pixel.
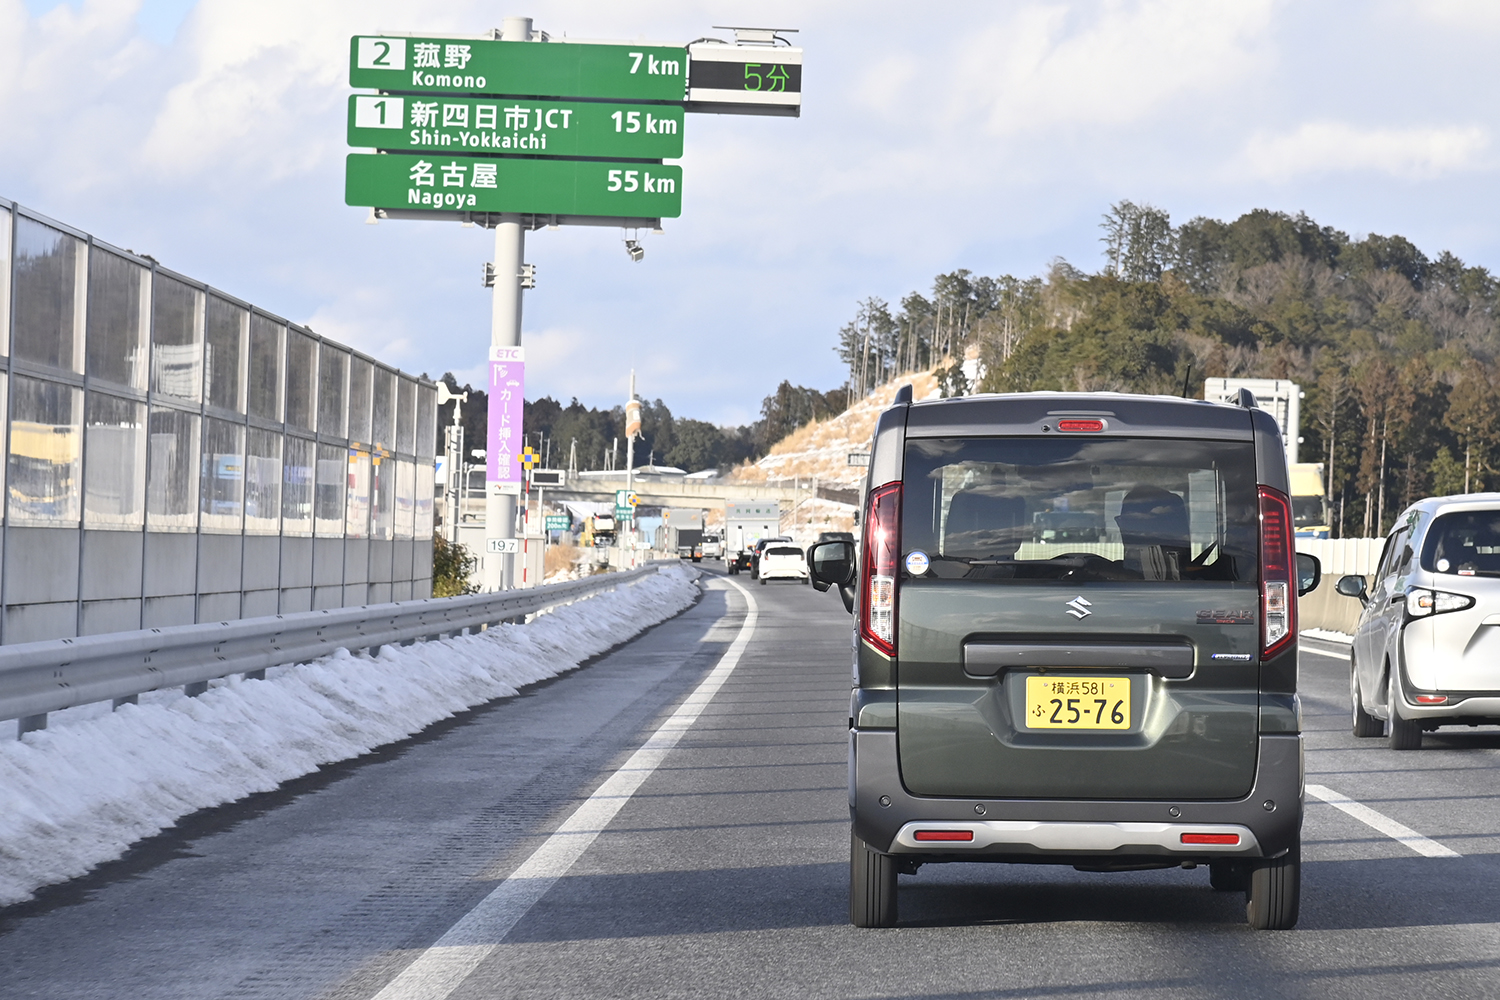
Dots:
pixel 1365 724
pixel 872 886
pixel 1229 876
pixel 1405 734
pixel 1275 892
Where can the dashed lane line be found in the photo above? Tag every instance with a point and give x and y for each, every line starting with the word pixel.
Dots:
pixel 1400 832
pixel 439 970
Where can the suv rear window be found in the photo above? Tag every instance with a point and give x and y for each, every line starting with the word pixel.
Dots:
pixel 1466 543
pixel 1077 509
pixel 783 551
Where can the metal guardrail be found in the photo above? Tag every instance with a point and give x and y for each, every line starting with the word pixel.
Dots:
pixel 41 677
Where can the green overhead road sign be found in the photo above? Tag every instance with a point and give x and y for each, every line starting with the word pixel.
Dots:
pixel 524 185
pixel 539 69
pixel 509 126
pixel 624 513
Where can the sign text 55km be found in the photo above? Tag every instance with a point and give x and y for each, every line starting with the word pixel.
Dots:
pixel 542 69
pixel 512 126
pixel 524 185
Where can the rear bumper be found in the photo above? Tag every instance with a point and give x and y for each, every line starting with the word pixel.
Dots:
pixel 783 574
pixel 1073 831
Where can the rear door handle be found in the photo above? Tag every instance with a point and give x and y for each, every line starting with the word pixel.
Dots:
pixel 1397 598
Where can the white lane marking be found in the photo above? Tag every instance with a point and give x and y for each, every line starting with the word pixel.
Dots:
pixel 440 969
pixel 1396 831
pixel 1323 652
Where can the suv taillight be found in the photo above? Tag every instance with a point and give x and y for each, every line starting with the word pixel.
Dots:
pixel 877 605
pixel 1278 559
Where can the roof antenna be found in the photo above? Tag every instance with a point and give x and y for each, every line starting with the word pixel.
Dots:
pixel 903 395
pixel 1185 379
pixel 1247 399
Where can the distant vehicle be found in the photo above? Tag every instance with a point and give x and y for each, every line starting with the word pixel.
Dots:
pixel 1310 517
pixel 835 536
pixel 1425 654
pixel 783 562
pixel 713 545
pixel 758 548
pixel 689 544
pixel 746 523
pixel 604 529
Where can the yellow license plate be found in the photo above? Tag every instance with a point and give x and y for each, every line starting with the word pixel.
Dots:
pixel 1078 702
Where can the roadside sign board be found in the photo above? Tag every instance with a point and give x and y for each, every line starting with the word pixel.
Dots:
pixel 624 513
pixel 516 126
pixel 558 522
pixel 507 392
pixel 531 186
pixel 541 69
pixel 503 546
pixel 738 79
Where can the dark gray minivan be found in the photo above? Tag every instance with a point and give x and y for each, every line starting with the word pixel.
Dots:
pixel 1076 643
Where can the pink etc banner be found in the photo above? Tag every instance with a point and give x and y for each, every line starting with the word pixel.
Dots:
pixel 507 395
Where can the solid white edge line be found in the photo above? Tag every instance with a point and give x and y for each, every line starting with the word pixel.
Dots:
pixel 1400 832
pixel 439 970
pixel 1323 652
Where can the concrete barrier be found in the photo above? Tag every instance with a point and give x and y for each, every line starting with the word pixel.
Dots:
pixel 1324 607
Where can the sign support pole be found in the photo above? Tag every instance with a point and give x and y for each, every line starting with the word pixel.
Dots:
pixel 505 331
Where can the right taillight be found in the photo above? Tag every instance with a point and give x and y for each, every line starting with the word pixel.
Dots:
pixel 877 606
pixel 1278 558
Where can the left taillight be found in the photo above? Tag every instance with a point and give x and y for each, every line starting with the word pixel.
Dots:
pixel 1278 561
pixel 877 612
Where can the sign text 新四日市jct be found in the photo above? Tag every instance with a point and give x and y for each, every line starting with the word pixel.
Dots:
pixel 537 69
pixel 532 186
pixel 516 126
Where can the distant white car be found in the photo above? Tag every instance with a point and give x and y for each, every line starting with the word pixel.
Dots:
pixel 783 562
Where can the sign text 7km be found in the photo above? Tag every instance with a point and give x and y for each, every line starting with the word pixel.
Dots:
pixel 541 69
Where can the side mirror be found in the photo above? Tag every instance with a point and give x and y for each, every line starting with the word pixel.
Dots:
pixel 1309 573
pixel 831 564
pixel 1354 586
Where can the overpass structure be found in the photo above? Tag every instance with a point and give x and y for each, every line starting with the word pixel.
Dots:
pixel 677 492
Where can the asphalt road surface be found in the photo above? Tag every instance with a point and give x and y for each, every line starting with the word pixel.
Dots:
pixel 671 821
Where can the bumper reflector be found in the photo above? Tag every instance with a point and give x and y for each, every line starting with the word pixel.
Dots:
pixel 1231 839
pixel 949 835
pixel 1432 699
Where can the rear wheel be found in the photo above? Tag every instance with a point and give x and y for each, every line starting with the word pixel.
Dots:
pixel 1405 734
pixel 1274 894
pixel 1365 724
pixel 762 581
pixel 1229 876
pixel 872 886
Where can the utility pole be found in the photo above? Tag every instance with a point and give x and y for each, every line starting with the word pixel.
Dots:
pixel 505 332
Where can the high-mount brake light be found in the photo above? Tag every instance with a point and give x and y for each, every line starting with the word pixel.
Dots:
pixel 877 599
pixel 1080 425
pixel 1278 561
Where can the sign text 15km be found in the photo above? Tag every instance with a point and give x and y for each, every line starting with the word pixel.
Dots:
pixel 528 186
pixel 540 69
pixel 516 126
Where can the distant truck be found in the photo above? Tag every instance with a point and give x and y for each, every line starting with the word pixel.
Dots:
pixel 1310 515
pixel 603 526
pixel 690 544
pixel 745 523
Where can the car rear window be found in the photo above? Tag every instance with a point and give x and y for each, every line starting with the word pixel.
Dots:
pixel 1465 543
pixel 783 551
pixel 1078 509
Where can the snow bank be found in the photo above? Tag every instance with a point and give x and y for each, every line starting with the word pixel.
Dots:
pixel 82 791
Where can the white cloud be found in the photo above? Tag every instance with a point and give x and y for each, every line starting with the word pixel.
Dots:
pixel 1338 147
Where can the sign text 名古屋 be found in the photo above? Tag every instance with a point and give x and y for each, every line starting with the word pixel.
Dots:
pixel 533 186
pixel 516 127
pixel 507 391
pixel 539 69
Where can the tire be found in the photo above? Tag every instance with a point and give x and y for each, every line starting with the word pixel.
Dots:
pixel 1404 734
pixel 1275 892
pixel 763 583
pixel 872 886
pixel 1365 724
pixel 1229 876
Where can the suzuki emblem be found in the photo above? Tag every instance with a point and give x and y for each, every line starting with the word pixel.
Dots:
pixel 1079 608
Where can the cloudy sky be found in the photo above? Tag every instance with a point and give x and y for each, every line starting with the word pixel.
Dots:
pixel 987 135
